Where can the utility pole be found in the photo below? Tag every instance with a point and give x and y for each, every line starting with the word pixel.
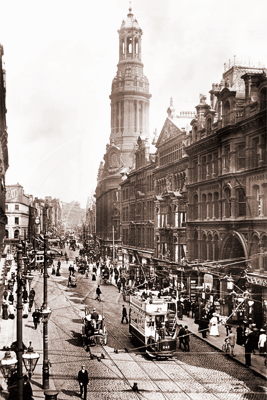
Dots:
pixel 19 349
pixel 45 323
pixel 113 245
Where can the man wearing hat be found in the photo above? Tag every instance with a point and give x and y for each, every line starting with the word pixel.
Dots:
pixel 124 314
pixel 83 381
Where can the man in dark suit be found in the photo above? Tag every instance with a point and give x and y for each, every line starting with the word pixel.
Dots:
pixel 83 381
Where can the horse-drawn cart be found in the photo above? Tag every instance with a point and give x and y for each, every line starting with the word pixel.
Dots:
pixel 94 331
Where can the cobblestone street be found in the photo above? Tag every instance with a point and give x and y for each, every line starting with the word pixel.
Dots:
pixel 202 373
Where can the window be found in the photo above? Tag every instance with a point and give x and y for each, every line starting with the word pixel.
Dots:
pixel 255 152
pixel 203 168
pixel 195 171
pixel 204 207
pixel 208 126
pixel 16 234
pixel 17 220
pixel 195 246
pixel 241 198
pixel 241 161
pixel 204 247
pixel 216 205
pixel 195 207
pixel 256 206
pixel 226 113
pixel 227 203
pixel 6 207
pixel 16 207
pixel 7 234
pixel 226 158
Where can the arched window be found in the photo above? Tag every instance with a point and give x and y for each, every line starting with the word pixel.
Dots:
pixel 16 234
pixel 256 201
pixel 209 205
pixel 226 113
pixel 195 246
pixel 204 207
pixel 241 201
pixel 209 248
pixel 216 205
pixel 7 234
pixel 216 247
pixel 204 247
pixel 254 254
pixel 227 202
pixel 195 207
pixel 263 99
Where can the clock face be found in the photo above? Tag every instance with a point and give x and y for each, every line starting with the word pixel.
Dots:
pixel 114 161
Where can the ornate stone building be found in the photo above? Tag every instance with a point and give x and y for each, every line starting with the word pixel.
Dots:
pixel 129 119
pixel 137 208
pixel 226 226
pixel 3 149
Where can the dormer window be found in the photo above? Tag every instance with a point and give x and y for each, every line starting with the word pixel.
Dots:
pixel 194 133
pixel 208 126
pixel 226 113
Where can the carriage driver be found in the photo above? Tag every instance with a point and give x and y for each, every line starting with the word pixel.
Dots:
pixel 94 317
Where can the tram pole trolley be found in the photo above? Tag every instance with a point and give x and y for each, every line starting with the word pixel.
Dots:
pixel 152 322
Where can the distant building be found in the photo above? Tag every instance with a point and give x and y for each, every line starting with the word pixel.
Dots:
pixel 17 212
pixel 72 214
pixel 3 149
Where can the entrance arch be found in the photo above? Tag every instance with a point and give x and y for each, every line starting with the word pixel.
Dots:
pixel 234 247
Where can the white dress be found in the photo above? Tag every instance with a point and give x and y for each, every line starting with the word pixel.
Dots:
pixel 214 327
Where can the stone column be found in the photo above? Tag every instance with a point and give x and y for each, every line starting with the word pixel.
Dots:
pixel 137 116
pixel 133 52
pixel 119 117
pixel 125 46
pixel 199 168
pixel 140 48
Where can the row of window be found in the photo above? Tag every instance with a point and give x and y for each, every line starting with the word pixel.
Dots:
pixel 16 207
pixel 142 211
pixel 139 237
pixel 171 154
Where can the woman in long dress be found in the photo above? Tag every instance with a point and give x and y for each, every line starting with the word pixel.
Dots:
pixel 214 326
pixel 5 310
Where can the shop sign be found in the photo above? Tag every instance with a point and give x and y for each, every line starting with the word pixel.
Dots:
pixel 257 281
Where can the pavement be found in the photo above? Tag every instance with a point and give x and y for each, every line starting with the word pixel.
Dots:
pixel 8 335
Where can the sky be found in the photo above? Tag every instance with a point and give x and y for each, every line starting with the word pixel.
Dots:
pixel 60 59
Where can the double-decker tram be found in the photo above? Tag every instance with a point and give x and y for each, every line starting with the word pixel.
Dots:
pixel 152 321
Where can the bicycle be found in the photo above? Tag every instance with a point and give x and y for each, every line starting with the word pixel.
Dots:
pixel 226 348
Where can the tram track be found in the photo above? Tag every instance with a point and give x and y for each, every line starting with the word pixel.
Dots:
pixel 99 346
pixel 117 369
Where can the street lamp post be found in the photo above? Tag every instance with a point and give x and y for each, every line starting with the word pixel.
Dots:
pixel 30 359
pixel 19 324
pixel 45 315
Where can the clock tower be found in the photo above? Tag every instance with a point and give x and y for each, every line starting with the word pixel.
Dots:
pixel 129 100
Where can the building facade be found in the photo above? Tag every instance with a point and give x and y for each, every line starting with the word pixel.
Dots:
pixel 3 149
pixel 130 100
pixel 17 212
pixel 226 225
pixel 137 209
